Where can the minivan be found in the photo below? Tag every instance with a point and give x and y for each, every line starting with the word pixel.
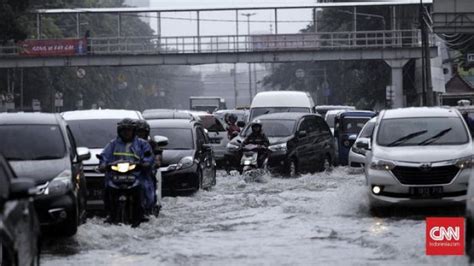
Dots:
pixel 418 157
pixel 281 102
pixel 41 147
pixel 299 143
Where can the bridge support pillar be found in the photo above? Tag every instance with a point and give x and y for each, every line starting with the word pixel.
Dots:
pixel 397 81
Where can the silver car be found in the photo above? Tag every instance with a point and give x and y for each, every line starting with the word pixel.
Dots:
pixel 418 157
pixel 357 154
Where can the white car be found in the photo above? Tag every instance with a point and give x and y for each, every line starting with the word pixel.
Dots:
pixel 356 154
pixel 94 129
pixel 418 157
pixel 269 102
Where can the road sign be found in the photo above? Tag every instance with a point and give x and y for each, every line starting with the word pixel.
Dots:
pixel 81 73
pixel 389 93
pixel 121 78
pixel 36 105
pixel 9 98
pixel 470 58
pixel 58 99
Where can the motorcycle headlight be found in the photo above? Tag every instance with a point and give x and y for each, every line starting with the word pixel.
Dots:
pixel 185 162
pixel 232 147
pixel 278 147
pixel 465 162
pixel 382 165
pixel 60 184
pixel 123 167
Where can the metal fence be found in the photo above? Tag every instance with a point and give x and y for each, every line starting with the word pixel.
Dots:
pixel 244 43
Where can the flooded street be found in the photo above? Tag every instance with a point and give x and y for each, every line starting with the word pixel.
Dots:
pixel 312 220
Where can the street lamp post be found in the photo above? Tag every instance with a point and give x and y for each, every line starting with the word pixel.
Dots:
pixel 248 15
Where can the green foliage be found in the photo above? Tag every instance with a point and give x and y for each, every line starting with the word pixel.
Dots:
pixel 136 88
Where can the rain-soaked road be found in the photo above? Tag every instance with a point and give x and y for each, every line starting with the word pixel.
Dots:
pixel 313 220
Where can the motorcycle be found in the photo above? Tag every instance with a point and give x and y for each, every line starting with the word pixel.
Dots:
pixel 124 193
pixel 249 163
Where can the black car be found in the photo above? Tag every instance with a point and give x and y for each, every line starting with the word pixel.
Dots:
pixel 41 147
pixel 299 142
pixel 19 226
pixel 188 163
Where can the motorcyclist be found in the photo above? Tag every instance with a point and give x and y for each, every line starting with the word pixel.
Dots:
pixel 257 137
pixel 143 132
pixel 127 146
pixel 232 128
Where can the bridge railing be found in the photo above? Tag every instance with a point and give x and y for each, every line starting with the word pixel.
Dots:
pixel 244 43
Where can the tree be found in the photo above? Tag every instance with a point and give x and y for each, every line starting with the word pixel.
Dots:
pixel 11 24
pixel 137 87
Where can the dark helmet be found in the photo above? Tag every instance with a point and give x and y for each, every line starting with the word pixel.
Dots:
pixel 232 118
pixel 125 124
pixel 143 125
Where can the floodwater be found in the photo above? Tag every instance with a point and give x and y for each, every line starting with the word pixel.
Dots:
pixel 311 220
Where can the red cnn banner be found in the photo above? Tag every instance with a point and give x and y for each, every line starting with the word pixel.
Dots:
pixel 59 47
pixel 445 236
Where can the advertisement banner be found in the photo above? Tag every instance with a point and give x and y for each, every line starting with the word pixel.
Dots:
pixel 60 47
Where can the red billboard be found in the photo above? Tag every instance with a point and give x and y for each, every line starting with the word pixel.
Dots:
pixel 52 47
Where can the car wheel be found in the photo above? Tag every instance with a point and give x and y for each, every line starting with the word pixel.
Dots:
pixel 326 164
pixel 69 226
pixel 292 168
pixel 199 180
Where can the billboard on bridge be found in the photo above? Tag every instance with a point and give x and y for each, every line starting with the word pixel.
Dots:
pixel 53 47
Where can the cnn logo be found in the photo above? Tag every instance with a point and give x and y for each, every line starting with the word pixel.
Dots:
pixel 445 236
pixel 440 233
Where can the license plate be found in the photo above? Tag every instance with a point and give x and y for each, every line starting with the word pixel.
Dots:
pixel 96 194
pixel 426 192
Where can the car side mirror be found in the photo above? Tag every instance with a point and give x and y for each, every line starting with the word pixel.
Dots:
pixel 241 124
pixel 302 133
pixel 22 188
pixel 83 154
pixel 352 137
pixel 363 144
pixel 161 140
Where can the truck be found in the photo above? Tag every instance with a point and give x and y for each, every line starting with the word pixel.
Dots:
pixel 208 104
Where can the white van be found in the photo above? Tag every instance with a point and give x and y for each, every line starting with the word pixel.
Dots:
pixel 281 102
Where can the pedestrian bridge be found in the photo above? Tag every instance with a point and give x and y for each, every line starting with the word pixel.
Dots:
pixel 193 50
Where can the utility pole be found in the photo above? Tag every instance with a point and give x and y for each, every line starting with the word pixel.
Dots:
pixel 248 15
pixel 427 85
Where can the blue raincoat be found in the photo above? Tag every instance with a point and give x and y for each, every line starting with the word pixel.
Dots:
pixel 138 150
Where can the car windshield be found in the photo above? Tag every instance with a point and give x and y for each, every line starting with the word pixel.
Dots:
pixel 422 131
pixel 258 111
pixel 353 125
pixel 178 138
pixel 32 142
pixel 211 123
pixel 274 128
pixel 94 133
pixel 368 130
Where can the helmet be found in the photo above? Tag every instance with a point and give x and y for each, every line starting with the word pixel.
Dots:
pixel 142 129
pixel 232 118
pixel 256 124
pixel 142 125
pixel 126 124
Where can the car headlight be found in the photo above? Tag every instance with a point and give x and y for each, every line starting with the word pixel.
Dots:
pixel 185 162
pixel 465 162
pixel 278 147
pixel 232 147
pixel 382 165
pixel 60 184
pixel 357 150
